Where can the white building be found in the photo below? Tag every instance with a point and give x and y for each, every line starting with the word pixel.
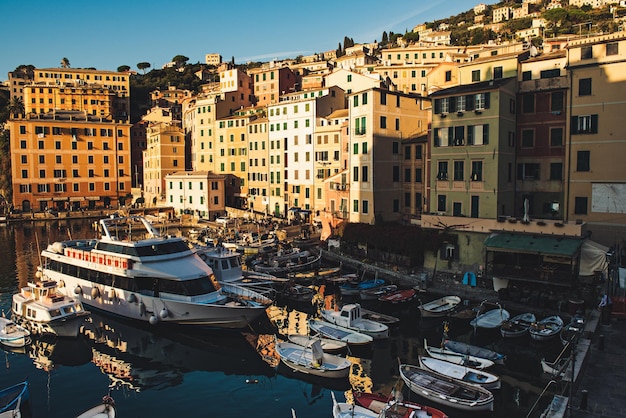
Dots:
pixel 198 193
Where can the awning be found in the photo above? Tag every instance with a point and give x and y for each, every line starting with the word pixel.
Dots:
pixel 534 244
pixel 77 199
pixel 43 199
pixel 59 199
pixel 92 198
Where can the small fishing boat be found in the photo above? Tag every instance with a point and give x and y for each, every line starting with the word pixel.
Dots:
pixel 106 409
pixel 42 309
pixel 350 317
pixel 335 332
pixel 473 350
pixel 299 293
pixel 354 289
pixel 399 296
pixel 446 391
pixel 518 325
pixel 377 292
pixel 347 410
pixel 395 408
pixel 457 358
pixel 439 307
pixel 12 398
pixel 490 319
pixel 459 372
pixel 312 360
pixel 328 345
pixel 13 335
pixel 388 320
pixel 572 331
pixel 546 329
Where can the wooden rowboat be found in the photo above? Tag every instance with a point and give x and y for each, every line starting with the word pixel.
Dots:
pixel 439 307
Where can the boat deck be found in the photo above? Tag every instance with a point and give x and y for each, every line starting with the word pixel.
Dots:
pixel 442 386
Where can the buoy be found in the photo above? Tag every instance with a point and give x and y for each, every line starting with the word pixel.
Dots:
pixel 142 308
pixel 164 313
pixel 78 290
pixel 112 294
pixel 38 274
pixel 132 298
pixel 153 320
pixel 95 293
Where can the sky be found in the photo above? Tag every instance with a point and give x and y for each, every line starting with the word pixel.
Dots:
pixel 108 34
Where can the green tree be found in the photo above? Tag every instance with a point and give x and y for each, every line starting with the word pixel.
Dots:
pixel 16 107
pixel 385 38
pixel 65 63
pixel 123 68
pixel 143 66
pixel 180 60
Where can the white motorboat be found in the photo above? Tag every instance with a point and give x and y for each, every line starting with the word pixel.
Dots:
pixel 134 272
pixel 106 409
pixel 459 372
pixel 439 307
pixel 457 358
pixel 474 350
pixel 446 391
pixel 312 360
pixel 350 317
pixel 42 309
pixel 335 332
pixel 328 344
pixel 13 335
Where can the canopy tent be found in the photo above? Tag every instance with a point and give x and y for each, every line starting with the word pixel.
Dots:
pixel 592 258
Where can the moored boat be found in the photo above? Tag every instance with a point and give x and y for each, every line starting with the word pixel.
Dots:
pixel 13 335
pixel 134 272
pixel 12 398
pixel 388 320
pixel 350 317
pixel 392 408
pixel 377 292
pixel 445 354
pixel 328 345
pixel 355 288
pixel 459 372
pixel 105 409
pixel 439 307
pixel 546 329
pixel 399 296
pixel 42 309
pixel 443 390
pixel 335 332
pixel 491 318
pixel 518 325
pixel 312 360
pixel 476 351
pixel 346 410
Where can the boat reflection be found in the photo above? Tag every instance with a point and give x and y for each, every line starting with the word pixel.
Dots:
pixel 141 358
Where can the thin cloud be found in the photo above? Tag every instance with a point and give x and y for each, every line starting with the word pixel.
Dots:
pixel 389 26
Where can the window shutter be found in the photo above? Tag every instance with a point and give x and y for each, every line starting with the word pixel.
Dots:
pixel 469 102
pixel 594 124
pixel 452 104
pixel 450 135
pixel 485 134
pixel 574 124
pixel 487 100
pixel 437 106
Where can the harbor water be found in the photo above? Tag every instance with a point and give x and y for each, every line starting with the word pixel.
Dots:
pixel 177 372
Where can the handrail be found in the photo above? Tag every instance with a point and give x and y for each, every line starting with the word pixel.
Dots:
pixel 540 396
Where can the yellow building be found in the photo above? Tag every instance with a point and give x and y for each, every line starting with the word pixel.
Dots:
pixel 164 154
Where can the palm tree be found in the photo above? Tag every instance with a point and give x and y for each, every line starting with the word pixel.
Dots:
pixel 16 106
pixel 65 63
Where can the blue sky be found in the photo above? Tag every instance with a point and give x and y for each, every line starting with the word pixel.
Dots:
pixel 111 33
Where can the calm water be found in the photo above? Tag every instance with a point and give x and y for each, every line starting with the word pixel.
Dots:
pixel 169 373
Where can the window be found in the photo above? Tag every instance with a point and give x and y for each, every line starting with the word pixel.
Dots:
pixel 395 147
pixel 586 53
pixel 584 87
pixel 580 205
pixel 396 205
pixel 407 152
pixel 478 134
pixel 556 171
pixel 383 98
pixel 407 175
pixel 366 207
pixel 556 102
pixel 364 98
pixel 528 171
pixel 355 205
pixel 583 161
pixel 556 137
pixel 587 124
pixel 475 76
pixel 395 176
pixel 528 103
pixel 448 75
pixel 555 72
pixel 477 171
pixel 383 122
pixel 497 72
pixel 528 138
pixel 441 203
pixel 355 101
pixel 355 173
pixel 612 48
pixel 397 124
pixel 527 75
pixel 418 175
pixel 459 168
pixel 481 101
pixel 442 172
pixel 407 200
pixel 364 173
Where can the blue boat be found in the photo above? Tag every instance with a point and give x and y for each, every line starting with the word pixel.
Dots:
pixel 12 398
pixel 354 289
